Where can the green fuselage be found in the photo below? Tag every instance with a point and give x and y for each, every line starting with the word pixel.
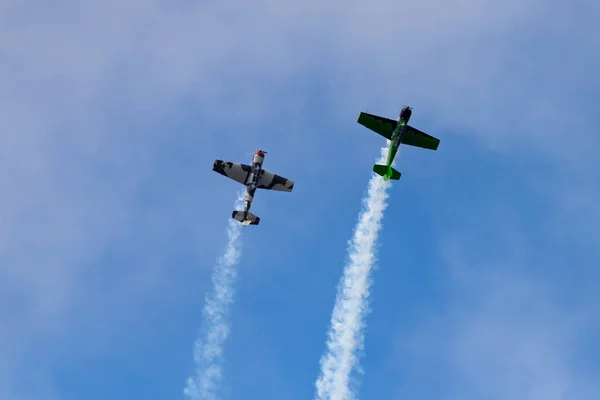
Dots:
pixel 396 136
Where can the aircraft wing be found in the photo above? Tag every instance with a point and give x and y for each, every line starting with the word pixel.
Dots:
pixel 415 137
pixel 237 172
pixel 272 181
pixel 384 126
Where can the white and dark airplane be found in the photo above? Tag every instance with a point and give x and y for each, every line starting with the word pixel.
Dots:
pixel 253 177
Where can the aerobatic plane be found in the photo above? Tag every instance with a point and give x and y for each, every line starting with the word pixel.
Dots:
pixel 397 132
pixel 253 177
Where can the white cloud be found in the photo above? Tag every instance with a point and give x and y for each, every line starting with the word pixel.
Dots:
pixel 208 348
pixel 345 336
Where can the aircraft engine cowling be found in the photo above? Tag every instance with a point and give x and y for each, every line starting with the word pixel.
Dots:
pixel 258 159
pixel 405 114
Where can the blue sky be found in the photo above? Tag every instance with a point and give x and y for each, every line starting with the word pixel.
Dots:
pixel 112 219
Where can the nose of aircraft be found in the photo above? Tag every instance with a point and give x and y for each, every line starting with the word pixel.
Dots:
pixel 405 113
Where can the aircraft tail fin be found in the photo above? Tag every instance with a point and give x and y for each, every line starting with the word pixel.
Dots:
pixel 386 172
pixel 245 217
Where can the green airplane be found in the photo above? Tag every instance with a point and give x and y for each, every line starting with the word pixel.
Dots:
pixel 398 132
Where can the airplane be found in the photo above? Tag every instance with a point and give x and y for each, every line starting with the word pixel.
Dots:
pixel 253 177
pixel 398 132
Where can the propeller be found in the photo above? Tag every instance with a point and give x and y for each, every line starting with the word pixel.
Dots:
pixel 252 154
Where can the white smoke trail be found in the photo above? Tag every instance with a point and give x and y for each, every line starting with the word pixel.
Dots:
pixel 345 336
pixel 208 349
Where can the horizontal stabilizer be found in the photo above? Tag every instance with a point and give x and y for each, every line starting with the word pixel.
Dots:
pixel 386 172
pixel 245 217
